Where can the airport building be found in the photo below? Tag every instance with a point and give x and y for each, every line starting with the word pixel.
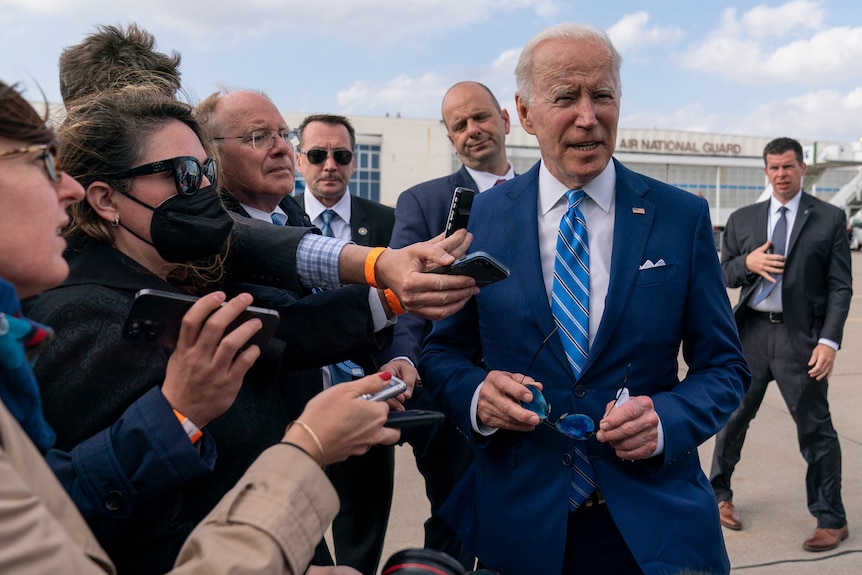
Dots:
pixel 393 154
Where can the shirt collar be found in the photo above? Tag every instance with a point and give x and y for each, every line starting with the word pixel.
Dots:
pixel 600 189
pixel 314 208
pixel 486 180
pixel 792 205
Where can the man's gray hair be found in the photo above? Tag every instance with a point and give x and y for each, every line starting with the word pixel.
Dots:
pixel 566 31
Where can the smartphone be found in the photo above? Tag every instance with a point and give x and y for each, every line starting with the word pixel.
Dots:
pixel 413 417
pixel 459 212
pixel 479 266
pixel 156 315
pixel 395 387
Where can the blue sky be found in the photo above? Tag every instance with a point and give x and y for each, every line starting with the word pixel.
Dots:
pixel 764 69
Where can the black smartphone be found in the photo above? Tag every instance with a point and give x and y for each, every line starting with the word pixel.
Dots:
pixel 413 417
pixel 156 315
pixel 459 212
pixel 479 266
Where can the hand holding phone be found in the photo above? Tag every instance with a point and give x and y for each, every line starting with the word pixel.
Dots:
pixel 394 388
pixel 478 265
pixel 156 317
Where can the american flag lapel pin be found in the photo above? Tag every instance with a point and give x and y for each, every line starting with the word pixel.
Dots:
pixel 639 211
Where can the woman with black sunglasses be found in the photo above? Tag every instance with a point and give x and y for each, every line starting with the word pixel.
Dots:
pixel 152 219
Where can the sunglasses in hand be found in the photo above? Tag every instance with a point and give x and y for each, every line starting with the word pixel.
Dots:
pixel 574 425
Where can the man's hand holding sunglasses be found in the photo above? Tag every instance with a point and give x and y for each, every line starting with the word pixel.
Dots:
pixel 631 428
pixel 501 400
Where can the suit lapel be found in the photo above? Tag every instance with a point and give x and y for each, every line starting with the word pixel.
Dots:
pixel 633 218
pixel 522 214
pixel 805 207
pixel 358 219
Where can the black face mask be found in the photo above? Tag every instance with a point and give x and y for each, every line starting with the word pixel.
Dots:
pixel 188 228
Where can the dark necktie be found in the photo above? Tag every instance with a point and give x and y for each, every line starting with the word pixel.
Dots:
pixel 779 246
pixel 500 181
pixel 327 216
pixel 570 305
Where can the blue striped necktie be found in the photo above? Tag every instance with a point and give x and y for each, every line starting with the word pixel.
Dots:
pixel 570 305
pixel 278 219
pixel 326 216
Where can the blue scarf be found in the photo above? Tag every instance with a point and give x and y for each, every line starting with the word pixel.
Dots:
pixel 21 340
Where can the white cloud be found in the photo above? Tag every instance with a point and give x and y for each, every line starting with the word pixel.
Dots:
pixel 631 32
pixel 762 21
pixel 691 118
pixel 207 22
pixel 808 116
pixel 403 95
pixel 420 96
pixel 750 50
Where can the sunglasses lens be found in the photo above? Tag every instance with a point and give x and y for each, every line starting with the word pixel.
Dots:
pixel 342 157
pixel 538 405
pixel 188 176
pixel 577 426
pixel 316 156
pixel 211 171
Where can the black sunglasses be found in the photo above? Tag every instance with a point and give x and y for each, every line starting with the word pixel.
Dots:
pixel 188 172
pixel 317 156
pixel 47 156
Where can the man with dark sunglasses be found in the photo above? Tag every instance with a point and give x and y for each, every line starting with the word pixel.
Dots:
pixel 364 484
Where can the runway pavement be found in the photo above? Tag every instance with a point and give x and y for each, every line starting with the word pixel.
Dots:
pixel 769 482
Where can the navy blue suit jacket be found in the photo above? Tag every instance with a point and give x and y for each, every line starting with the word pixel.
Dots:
pixel 420 215
pixel 511 507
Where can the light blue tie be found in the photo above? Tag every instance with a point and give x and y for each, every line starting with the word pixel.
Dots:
pixel 345 371
pixel 327 216
pixel 570 305
pixel 779 245
pixel 277 219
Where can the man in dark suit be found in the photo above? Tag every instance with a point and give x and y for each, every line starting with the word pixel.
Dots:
pixel 632 498
pixel 257 160
pixel 477 127
pixel 791 257
pixel 364 483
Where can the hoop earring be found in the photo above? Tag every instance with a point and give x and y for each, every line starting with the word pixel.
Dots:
pixel 116 222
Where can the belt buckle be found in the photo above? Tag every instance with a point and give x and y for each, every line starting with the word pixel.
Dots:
pixel 775 317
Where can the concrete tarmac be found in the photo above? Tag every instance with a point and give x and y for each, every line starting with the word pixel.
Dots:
pixel 769 482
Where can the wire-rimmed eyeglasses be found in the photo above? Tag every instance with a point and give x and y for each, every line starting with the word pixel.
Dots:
pixel 574 425
pixel 265 139
pixel 47 156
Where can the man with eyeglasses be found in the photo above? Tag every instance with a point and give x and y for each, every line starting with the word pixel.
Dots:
pixel 257 159
pixel 612 275
pixel 325 157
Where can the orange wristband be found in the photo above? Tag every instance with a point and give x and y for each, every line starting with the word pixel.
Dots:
pixel 370 262
pixel 192 430
pixel 393 302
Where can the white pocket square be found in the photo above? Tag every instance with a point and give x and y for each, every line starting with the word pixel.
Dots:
pixel 649 265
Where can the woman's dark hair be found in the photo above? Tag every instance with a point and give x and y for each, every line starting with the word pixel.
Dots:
pixel 18 119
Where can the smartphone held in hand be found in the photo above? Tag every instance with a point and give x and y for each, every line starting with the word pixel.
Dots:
pixel 156 317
